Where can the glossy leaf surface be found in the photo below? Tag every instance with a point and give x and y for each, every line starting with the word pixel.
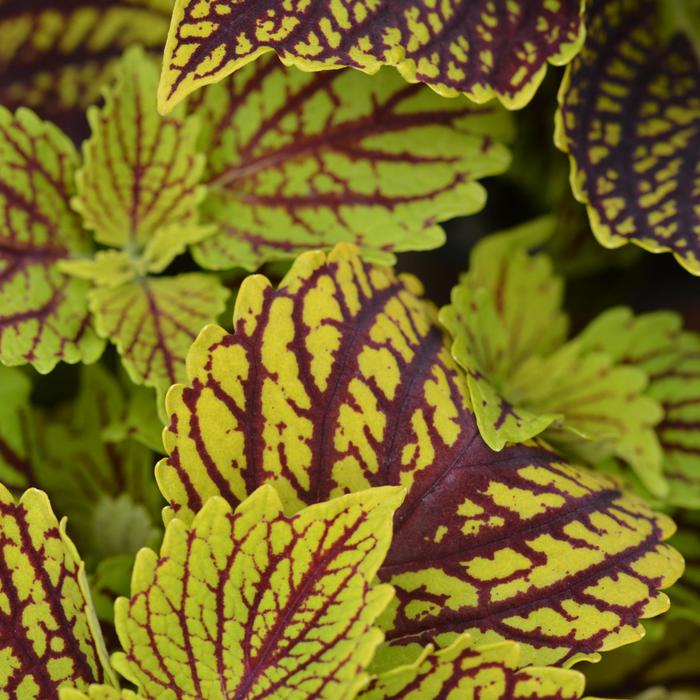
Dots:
pixel 254 604
pixel 339 380
pixel 475 47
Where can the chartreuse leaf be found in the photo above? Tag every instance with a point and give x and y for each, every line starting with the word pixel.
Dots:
pixel 57 55
pixel 298 161
pixel 48 631
pixel 141 172
pixel 506 309
pixel 44 317
pixel 464 670
pixel 253 604
pixel 479 48
pixel 152 322
pixel 629 118
pixel 15 428
pixel 670 357
pixel 523 379
pixel 99 692
pixel 106 489
pixel 340 380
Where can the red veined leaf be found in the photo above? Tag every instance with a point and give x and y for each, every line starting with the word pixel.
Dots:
pixel 340 380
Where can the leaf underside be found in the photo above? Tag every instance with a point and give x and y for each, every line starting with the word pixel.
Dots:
pixel 339 380
pixel 629 118
pixel 478 47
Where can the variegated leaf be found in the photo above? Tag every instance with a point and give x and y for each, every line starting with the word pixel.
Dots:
pixel 298 161
pixel 57 55
pixel 630 119
pixel 253 604
pixel 670 356
pixel 49 635
pixel 477 47
pixel 44 315
pixel 339 380
pixel 153 321
pixel 464 670
pixel 141 172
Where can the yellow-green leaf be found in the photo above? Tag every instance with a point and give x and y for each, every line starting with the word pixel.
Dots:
pixel 298 161
pixel 252 604
pixel 99 692
pixel 16 429
pixel 629 119
pixel 49 635
pixel 464 670
pixel 339 380
pixel 44 315
pixel 141 172
pixel 477 47
pixel 153 321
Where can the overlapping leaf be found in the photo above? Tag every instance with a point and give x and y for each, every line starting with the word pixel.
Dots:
pixel 57 55
pixel 15 428
pixel 463 670
pixel 48 633
pixel 253 604
pixel 630 119
pixel 99 692
pixel 44 317
pixel 477 47
pixel 153 321
pixel 298 161
pixel 339 380
pixel 509 332
pixel 670 357
pixel 141 172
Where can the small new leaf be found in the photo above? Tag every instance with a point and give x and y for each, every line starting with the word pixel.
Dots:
pixel 153 321
pixel 252 604
pixel 141 172
pixel 629 118
pixel 339 380
pixel 44 317
pixel 306 160
pixel 49 635
pixel 476 47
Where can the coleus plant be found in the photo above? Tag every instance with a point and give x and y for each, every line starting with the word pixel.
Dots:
pixel 364 498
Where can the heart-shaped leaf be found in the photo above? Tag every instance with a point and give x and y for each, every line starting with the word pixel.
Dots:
pixel 478 47
pixel 340 380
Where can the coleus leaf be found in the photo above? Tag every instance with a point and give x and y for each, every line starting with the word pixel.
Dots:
pixel 141 172
pixel 15 428
pixel 340 380
pixel 45 317
pixel 298 161
pixel 99 692
pixel 152 322
pixel 509 331
pixel 253 604
pixel 467 671
pixel 478 48
pixel 48 632
pixel 670 356
pixel 57 56
pixel 629 118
